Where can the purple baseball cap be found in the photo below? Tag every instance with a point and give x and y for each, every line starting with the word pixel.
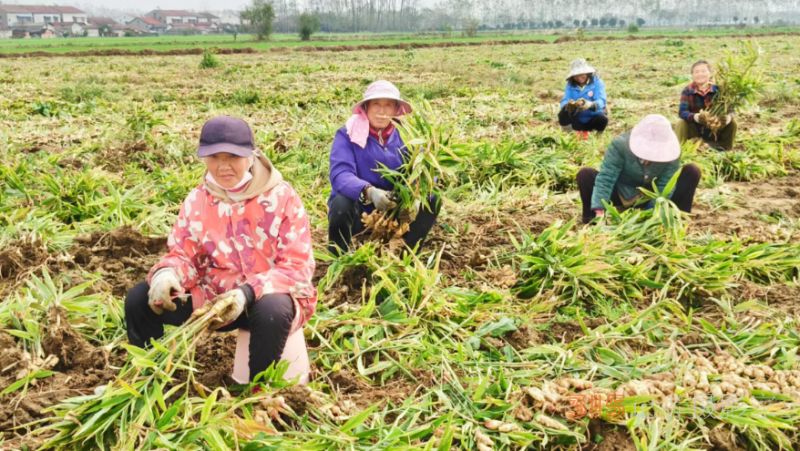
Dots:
pixel 226 134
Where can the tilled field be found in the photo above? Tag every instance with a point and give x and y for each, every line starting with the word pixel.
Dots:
pixel 516 327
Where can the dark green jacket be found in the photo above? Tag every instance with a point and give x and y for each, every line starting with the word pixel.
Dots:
pixel 625 172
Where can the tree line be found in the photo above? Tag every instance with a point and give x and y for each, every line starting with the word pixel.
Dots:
pixel 289 16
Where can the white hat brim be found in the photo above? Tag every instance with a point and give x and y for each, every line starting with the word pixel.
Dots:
pixel 402 108
pixel 585 71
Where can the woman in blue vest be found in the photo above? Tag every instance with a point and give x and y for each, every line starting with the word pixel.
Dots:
pixel 583 108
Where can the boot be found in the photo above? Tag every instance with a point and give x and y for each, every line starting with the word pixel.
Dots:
pixel 566 128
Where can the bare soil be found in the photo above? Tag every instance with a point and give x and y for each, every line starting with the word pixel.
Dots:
pixel 21 256
pixel 349 386
pixel 487 237
pixel 295 397
pixel 214 357
pixel 62 341
pixel 777 197
pixel 83 368
pixel 722 439
pixel 523 338
pixel 123 257
pixel 612 437
pixel 784 298
pixel 570 331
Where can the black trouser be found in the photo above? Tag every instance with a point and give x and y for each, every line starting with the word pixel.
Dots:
pixel 598 122
pixel 682 197
pixel 269 320
pixel 344 221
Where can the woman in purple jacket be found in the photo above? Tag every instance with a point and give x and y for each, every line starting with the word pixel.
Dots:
pixel 368 142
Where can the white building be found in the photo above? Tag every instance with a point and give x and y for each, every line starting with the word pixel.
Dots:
pixel 168 16
pixel 67 28
pixel 22 14
pixel 125 19
pixel 148 24
pixel 92 31
pixel 229 17
pixel 208 18
pixel 14 14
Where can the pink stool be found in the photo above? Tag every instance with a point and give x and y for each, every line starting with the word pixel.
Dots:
pixel 294 352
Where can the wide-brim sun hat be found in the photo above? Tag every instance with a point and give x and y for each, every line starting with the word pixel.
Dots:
pixel 383 89
pixel 580 67
pixel 226 134
pixel 652 139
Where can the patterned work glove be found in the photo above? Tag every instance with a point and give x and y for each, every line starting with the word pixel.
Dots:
pixel 165 282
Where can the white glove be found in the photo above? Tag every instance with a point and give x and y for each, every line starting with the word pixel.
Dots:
pixel 164 282
pixel 381 199
pixel 728 119
pixel 228 313
pixel 588 105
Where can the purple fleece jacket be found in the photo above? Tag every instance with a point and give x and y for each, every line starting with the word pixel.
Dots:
pixel 354 167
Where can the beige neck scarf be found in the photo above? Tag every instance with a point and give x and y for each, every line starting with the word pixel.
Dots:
pixel 265 177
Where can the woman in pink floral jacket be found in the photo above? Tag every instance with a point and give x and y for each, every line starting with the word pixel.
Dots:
pixel 243 233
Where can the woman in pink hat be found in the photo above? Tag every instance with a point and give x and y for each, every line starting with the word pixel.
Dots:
pixel 242 233
pixel 634 160
pixel 369 141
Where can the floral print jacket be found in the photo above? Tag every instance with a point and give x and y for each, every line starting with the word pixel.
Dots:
pixel 217 246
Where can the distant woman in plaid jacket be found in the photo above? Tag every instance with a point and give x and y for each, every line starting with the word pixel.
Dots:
pixel 698 96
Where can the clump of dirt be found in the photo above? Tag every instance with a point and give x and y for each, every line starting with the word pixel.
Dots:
pixel 84 368
pixel 783 298
pixel 485 239
pixel 9 357
pixel 123 256
pixel 115 158
pixel 692 338
pixel 214 358
pixel 364 395
pixel 345 381
pixel 21 255
pixel 348 289
pixel 62 341
pixel 295 397
pixel 570 331
pixel 723 440
pixel 16 412
pixel 523 338
pixel 612 437
pixel 775 197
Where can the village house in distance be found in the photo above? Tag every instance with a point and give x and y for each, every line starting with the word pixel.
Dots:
pixel 40 21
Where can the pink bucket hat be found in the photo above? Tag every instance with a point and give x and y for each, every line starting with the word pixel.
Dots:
pixel 383 89
pixel 652 139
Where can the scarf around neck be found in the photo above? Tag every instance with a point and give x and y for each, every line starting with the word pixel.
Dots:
pixel 382 135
